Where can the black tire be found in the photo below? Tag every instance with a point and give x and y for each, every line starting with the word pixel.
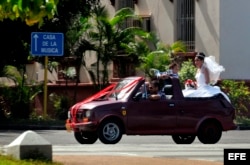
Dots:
pixel 110 132
pixel 209 132
pixel 85 137
pixel 183 139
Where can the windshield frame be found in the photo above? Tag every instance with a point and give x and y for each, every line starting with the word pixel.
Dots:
pixel 123 87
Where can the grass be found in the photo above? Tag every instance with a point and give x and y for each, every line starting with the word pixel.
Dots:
pixel 8 160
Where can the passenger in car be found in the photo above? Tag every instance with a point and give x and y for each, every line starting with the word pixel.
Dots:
pixel 173 70
pixel 174 67
pixel 207 74
pixel 165 79
pixel 154 91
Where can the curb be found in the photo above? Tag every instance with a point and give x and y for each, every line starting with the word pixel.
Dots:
pixel 62 127
pixel 239 127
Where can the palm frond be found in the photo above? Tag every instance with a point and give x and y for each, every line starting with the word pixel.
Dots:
pixel 122 14
pixel 178 46
pixel 12 73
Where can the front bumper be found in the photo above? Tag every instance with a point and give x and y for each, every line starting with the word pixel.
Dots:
pixel 83 126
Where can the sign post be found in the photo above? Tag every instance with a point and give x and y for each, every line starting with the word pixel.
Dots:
pixel 45 93
pixel 46 44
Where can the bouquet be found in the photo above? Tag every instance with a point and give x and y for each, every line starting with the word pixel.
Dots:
pixel 190 84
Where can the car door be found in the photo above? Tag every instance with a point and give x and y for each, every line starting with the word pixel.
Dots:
pixel 192 111
pixel 151 116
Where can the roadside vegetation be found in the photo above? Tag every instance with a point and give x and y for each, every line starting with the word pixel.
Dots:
pixel 8 160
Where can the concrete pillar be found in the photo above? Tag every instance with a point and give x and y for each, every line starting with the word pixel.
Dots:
pixel 30 145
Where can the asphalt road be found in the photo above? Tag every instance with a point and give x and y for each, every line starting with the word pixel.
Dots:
pixel 145 146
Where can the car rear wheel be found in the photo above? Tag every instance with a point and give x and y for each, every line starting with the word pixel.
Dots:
pixel 209 132
pixel 85 137
pixel 110 132
pixel 183 139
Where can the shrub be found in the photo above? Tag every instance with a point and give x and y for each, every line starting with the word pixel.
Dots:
pixel 238 93
pixel 61 104
pixel 18 98
pixel 187 71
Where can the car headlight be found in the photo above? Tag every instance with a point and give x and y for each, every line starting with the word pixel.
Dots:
pixel 88 113
pixel 69 116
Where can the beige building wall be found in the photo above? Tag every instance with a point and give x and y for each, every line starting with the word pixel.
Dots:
pixel 207 25
pixel 222 30
pixel 235 38
pixel 90 59
pixel 108 5
pixel 35 73
pixel 162 15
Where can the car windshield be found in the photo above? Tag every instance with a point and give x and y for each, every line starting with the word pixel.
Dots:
pixel 122 87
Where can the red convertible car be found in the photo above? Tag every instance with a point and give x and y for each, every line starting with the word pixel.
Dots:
pixel 124 108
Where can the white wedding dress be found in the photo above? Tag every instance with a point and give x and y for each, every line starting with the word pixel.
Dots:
pixel 203 89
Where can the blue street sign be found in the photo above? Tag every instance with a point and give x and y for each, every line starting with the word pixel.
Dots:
pixel 47 44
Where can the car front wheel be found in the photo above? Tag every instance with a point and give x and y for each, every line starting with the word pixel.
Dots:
pixel 183 139
pixel 85 137
pixel 110 132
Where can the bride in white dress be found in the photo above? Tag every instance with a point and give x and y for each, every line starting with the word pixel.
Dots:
pixel 208 72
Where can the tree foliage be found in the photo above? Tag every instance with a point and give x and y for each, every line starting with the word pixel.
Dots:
pixel 30 11
pixel 15 34
pixel 154 54
pixel 111 35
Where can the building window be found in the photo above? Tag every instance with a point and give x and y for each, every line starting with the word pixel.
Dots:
pixel 186 23
pixel 119 4
pixel 143 23
pixel 124 3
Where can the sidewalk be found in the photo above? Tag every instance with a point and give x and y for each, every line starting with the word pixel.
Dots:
pixel 126 160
